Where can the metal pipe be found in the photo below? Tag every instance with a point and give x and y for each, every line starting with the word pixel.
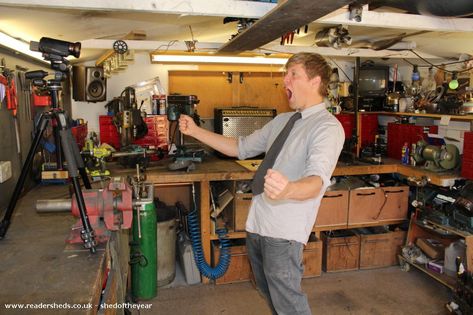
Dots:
pixel 53 205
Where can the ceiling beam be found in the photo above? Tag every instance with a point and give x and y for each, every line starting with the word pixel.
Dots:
pixel 238 8
pixel 347 52
pixel 147 45
pixel 399 21
pixel 287 16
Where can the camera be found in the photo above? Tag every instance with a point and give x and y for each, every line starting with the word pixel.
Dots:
pixel 56 51
pixel 51 46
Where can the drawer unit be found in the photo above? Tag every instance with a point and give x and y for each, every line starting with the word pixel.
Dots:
pixel 333 211
pixel 378 205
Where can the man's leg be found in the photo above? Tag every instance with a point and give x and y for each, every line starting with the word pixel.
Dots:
pixel 282 264
pixel 253 246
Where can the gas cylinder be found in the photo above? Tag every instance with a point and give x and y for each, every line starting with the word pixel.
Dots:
pixel 144 252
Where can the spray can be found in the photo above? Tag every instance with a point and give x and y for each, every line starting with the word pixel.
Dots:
pixel 405 154
pixel 154 104
pixel 144 272
pixel 162 105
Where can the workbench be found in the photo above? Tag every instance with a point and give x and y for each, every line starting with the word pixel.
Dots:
pixel 214 169
pixel 37 266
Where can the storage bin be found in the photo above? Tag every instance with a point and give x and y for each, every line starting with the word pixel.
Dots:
pixel 378 247
pixel 378 205
pixel 239 269
pixel 312 258
pixel 333 211
pixel 242 207
pixel 341 251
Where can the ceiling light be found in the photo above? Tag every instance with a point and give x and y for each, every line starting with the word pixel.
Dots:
pixel 196 58
pixel 19 46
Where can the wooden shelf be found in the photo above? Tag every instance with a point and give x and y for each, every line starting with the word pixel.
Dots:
pixel 442 278
pixel 436 116
pixel 230 235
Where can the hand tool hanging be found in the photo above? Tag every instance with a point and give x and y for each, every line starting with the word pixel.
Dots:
pixel 7 79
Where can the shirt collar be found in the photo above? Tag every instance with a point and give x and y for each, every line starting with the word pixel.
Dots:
pixel 307 112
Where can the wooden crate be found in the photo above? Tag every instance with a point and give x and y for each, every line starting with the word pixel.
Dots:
pixel 333 211
pixel 312 258
pixel 239 269
pixel 242 207
pixel 341 251
pixel 398 240
pixel 378 205
pixel 380 250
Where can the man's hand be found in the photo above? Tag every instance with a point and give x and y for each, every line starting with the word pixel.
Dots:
pixel 275 185
pixel 187 125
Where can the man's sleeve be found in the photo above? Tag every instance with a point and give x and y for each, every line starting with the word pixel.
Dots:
pixel 256 143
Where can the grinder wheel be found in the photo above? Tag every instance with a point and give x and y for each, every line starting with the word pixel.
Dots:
pixel 454 161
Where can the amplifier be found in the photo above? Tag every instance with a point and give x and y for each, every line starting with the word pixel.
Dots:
pixel 241 121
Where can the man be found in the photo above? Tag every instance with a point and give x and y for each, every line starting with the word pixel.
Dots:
pixel 281 218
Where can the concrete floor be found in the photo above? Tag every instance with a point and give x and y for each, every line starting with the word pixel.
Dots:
pixel 378 291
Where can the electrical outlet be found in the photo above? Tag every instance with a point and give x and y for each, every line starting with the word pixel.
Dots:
pixel 5 171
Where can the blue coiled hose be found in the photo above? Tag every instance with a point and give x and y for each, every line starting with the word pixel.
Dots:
pixel 194 232
pixel 224 257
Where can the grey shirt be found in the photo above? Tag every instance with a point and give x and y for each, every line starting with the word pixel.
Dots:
pixel 311 149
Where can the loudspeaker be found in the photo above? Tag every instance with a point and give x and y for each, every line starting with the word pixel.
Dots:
pixel 95 85
pixel 88 84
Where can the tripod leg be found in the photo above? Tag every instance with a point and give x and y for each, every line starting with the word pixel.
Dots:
pixel 5 223
pixel 79 160
pixel 87 233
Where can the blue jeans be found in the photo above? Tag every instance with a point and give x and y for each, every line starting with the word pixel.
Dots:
pixel 277 266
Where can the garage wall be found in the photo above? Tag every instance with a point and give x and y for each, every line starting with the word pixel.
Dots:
pixel 11 149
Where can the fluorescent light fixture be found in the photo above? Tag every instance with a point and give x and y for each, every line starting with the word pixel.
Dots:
pixel 259 60
pixel 19 46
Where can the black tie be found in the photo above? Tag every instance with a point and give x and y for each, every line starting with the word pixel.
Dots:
pixel 257 185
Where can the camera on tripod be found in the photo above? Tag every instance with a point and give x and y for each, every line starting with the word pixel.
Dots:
pixel 56 51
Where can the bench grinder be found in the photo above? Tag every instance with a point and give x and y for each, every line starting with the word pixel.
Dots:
pixel 437 158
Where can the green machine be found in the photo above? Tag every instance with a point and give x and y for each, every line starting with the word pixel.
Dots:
pixel 143 250
pixel 437 158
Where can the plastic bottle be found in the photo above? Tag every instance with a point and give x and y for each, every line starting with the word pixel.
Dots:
pixel 454 250
pixel 405 154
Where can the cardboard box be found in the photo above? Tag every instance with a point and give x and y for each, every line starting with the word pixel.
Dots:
pixel 431 247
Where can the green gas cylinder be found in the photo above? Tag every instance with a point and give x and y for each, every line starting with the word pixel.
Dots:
pixel 143 251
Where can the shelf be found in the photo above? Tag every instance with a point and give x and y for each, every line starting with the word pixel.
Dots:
pixel 442 278
pixel 230 235
pixel 436 116
pixel 435 227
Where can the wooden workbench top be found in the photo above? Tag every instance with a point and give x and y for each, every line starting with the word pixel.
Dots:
pixel 227 169
pixel 36 265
